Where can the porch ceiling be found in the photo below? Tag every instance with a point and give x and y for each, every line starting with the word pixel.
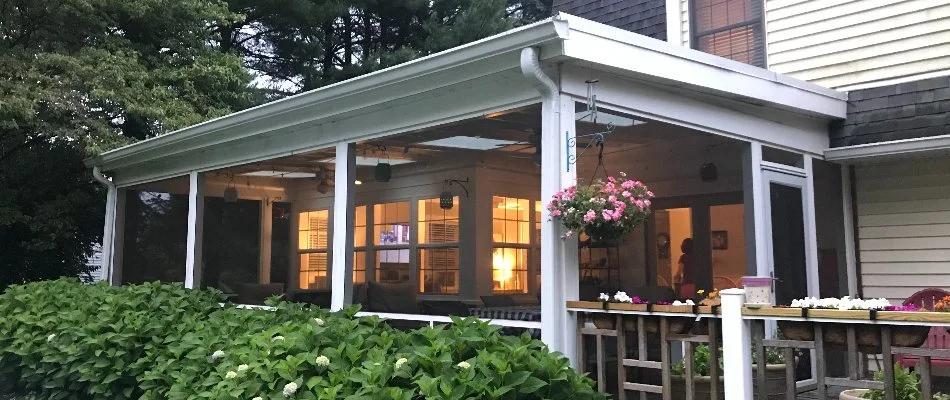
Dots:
pixel 480 79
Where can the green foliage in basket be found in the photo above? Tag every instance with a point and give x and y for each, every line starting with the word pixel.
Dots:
pixel 61 339
pixel 906 385
pixel 701 360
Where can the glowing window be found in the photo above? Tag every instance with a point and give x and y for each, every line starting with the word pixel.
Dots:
pixel 313 233
pixel 391 223
pixel 511 220
pixel 510 270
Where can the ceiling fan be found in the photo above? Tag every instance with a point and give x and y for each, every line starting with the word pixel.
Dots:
pixel 534 141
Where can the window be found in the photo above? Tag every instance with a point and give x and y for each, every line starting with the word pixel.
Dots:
pixel 438 241
pixel 729 28
pixel 312 241
pixel 359 244
pixel 511 237
pixel 391 233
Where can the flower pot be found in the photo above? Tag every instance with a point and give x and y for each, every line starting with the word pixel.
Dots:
pixel 853 394
pixel 604 321
pixel 868 336
pixel 774 383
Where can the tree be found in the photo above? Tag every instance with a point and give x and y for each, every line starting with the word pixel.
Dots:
pixel 81 76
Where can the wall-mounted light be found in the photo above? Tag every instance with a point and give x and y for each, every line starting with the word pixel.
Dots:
pixel 230 192
pixel 446 198
pixel 357 182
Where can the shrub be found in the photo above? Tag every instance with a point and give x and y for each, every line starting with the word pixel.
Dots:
pixel 60 339
pixel 701 360
pixel 906 385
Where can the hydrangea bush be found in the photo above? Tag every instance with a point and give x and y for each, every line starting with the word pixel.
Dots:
pixel 604 211
pixel 60 339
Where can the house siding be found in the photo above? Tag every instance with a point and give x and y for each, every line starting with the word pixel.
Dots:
pixel 903 210
pixel 646 17
pixel 851 44
pixel 902 111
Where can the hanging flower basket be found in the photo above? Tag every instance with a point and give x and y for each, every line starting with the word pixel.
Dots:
pixel 605 211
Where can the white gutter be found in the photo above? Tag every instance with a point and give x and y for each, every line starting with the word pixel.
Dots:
pixel 108 233
pixel 889 150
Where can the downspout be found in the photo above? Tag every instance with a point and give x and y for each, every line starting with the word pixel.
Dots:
pixel 531 69
pixel 108 233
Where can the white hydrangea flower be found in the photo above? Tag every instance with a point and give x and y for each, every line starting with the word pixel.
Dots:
pixel 323 361
pixel 231 375
pixel 217 355
pixel 603 297
pixel 622 297
pixel 464 365
pixel 277 338
pixel 243 367
pixel 400 362
pixel 258 398
pixel 50 337
pixel 290 389
pixel 319 321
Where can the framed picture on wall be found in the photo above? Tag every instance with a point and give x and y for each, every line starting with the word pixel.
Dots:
pixel 720 240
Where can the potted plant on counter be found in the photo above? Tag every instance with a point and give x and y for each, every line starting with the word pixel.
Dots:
pixel 906 387
pixel 774 375
pixel 868 336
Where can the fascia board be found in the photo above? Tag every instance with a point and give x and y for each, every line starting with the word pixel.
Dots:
pixel 530 35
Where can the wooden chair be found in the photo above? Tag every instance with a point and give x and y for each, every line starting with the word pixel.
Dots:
pixel 938 337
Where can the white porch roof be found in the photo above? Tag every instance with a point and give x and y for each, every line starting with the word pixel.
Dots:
pixel 647 76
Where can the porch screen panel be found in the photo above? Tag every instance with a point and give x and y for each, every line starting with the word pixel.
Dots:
pixel 313 239
pixel 729 28
pixel 232 245
pixel 391 239
pixel 511 237
pixel 438 239
pixel 156 225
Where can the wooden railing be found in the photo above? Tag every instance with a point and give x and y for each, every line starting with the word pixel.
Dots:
pixel 665 323
pixel 742 331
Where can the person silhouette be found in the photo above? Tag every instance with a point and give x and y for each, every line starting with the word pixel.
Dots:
pixel 687 271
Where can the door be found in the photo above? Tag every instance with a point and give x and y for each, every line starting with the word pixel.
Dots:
pixel 786 195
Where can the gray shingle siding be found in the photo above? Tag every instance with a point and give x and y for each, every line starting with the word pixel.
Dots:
pixel 646 17
pixel 902 111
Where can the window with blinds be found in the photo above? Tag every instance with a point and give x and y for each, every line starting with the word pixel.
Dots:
pixel 438 241
pixel 313 236
pixel 511 237
pixel 729 28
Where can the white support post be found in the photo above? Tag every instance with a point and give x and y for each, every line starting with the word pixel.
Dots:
pixel 849 244
pixel 196 205
pixel 118 238
pixel 108 233
pixel 755 217
pixel 567 263
pixel 341 282
pixel 736 346
pixel 811 237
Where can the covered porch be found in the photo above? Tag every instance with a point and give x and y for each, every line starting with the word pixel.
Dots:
pixel 419 191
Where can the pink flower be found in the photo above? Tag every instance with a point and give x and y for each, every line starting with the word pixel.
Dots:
pixel 627 184
pixel 639 203
pixel 607 215
pixel 647 203
pixel 556 213
pixel 625 194
pixel 590 216
pixel 612 198
pixel 649 193
pixel 611 179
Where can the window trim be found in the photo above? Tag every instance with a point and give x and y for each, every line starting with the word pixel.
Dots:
pixel 757 23
pixel 425 246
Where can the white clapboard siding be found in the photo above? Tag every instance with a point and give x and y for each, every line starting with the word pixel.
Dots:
pixel 903 223
pixel 857 43
pixel 684 18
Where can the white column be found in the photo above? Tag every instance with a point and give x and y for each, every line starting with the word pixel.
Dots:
pixel 559 269
pixel 811 237
pixel 755 217
pixel 118 238
pixel 341 280
pixel 849 240
pixel 267 229
pixel 196 205
pixel 108 234
pixel 736 346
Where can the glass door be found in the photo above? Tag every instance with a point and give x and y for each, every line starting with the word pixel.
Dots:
pixel 786 195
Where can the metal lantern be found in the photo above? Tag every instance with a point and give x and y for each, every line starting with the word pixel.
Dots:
pixel 383 172
pixel 446 200
pixel 230 194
